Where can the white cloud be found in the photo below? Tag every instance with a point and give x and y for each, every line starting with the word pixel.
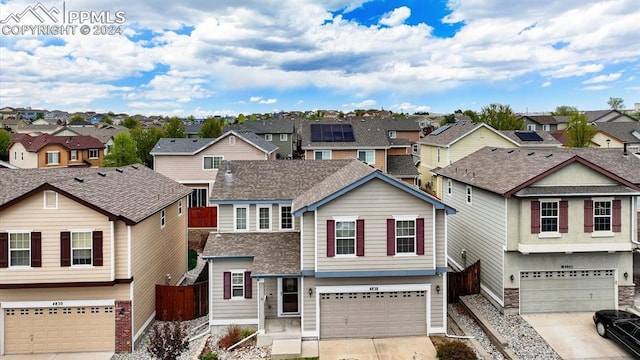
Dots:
pixel 255 98
pixel 597 87
pixel 396 17
pixel 546 84
pixel 268 101
pixel 603 78
pixel 573 70
pixel 366 104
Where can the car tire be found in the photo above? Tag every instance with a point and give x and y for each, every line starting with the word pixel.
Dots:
pixel 601 329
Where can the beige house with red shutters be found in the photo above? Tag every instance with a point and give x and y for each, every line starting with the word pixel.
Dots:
pixel 81 251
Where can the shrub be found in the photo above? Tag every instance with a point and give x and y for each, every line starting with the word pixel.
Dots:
pixel 233 335
pixel 168 340
pixel 193 259
pixel 246 332
pixel 455 350
pixel 209 356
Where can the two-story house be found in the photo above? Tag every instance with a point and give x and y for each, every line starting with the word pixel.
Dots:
pixel 81 250
pixel 555 230
pixel 617 134
pixel 278 131
pixel 103 132
pixel 326 249
pixel 44 151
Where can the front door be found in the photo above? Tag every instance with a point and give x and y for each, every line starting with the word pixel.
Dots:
pixel 290 296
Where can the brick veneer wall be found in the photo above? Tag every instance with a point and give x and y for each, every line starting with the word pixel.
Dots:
pixel 511 298
pixel 123 327
pixel 626 295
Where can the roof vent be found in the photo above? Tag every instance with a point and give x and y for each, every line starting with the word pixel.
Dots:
pixel 548 155
pixel 78 179
pixel 135 166
pixel 172 140
pixel 103 174
pixel 510 151
pixel 531 153
pixel 195 140
pixel 119 170
pixel 494 149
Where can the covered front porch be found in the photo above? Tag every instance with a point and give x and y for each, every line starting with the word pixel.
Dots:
pixel 279 308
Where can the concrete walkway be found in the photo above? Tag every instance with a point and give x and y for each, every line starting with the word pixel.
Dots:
pixel 61 356
pixel 410 347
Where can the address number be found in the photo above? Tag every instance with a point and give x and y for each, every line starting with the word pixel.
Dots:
pixel 57 303
pixel 373 288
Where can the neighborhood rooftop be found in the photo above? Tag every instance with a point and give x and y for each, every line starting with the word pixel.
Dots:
pixel 191 146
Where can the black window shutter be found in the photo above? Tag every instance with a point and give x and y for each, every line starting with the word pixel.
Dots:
pixel 97 248
pixel 36 249
pixel 65 248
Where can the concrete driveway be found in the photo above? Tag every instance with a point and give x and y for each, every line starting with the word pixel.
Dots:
pixel 574 336
pixel 404 348
pixel 61 356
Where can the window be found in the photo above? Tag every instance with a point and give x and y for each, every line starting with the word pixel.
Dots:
pixel 264 217
pixel 237 284
pixel 549 216
pixel 546 127
pixel 450 187
pixel 405 236
pixel 232 140
pixel 322 154
pixel 109 149
pixel 241 218
pixel 50 199
pixel 345 237
pixel 20 249
pixel 438 154
pixel 367 156
pixel 268 137
pixel 531 127
pixel 180 207
pixel 415 148
pixel 81 248
pixel 392 134
pixel 21 155
pixel 15 155
pixel 93 153
pixel 468 194
pixel 211 162
pixel 284 137
pixel 163 218
pixel 74 155
pixel 602 216
pixel 286 218
pixel 53 157
pixel 198 198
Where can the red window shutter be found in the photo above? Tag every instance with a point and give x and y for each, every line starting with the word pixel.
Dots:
pixel 617 218
pixel 65 248
pixel 535 217
pixel 360 237
pixel 36 249
pixel 564 217
pixel 588 216
pixel 97 248
pixel 226 276
pixel 420 236
pixel 331 238
pixel 248 285
pixel 391 237
pixel 4 250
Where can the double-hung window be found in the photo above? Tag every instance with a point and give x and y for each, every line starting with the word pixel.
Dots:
pixel 268 137
pixel 405 236
pixel 74 155
pixel 367 156
pixel 163 218
pixel 345 237
pixel 322 155
pixel 241 218
pixel 549 216
pixel 211 162
pixel 237 285
pixel 283 137
pixel 53 157
pixel 469 194
pixel 93 153
pixel 602 215
pixel 286 218
pixel 450 187
pixel 264 217
pixel 81 248
pixel 20 249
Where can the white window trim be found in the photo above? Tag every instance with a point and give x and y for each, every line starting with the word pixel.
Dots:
pixel 213 162
pixel 415 148
pixel 449 187
pixel 268 207
pixel 352 219
pixel 180 207
pixel 44 197
pixel 602 233
pixel 550 234
pixel 76 231
pixel 531 127
pixel 235 217
pixel 284 137
pixel 415 234
pixel 28 232
pixel 163 218
pixel 392 134
pixel 329 152
pixel 438 154
pixel 268 137
pixel 206 194
pixel 293 222
pixel 57 155
pixel 236 272
pixel 74 155
pixel 232 140
pixel 469 195
pixel 546 127
pixel 373 152
pixel 97 154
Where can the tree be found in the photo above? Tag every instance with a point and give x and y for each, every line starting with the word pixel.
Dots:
pixel 212 128
pixel 448 119
pixel 123 152
pixel 241 119
pixel 76 119
pixel 5 139
pixel 500 117
pixel 253 117
pixel 39 116
pixel 130 123
pixel 145 140
pixel 615 103
pixel 174 128
pixel 359 112
pixel 106 120
pixel 471 114
pixel 579 131
pixel 168 340
pixel 564 110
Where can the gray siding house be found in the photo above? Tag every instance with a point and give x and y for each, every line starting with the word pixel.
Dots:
pixel 555 229
pixel 279 132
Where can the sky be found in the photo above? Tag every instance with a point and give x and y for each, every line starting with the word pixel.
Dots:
pixel 226 57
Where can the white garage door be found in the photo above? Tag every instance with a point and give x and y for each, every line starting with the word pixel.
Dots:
pixel 48 330
pixel 375 314
pixel 573 290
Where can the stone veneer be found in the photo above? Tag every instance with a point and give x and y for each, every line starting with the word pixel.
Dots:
pixel 511 298
pixel 198 238
pixel 124 337
pixel 626 295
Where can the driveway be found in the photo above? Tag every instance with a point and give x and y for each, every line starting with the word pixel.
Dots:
pixel 412 347
pixel 61 356
pixel 574 336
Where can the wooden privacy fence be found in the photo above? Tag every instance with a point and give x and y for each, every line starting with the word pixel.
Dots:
pixel 182 302
pixel 465 282
pixel 203 217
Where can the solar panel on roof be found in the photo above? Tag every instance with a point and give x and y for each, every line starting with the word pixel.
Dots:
pixel 316 132
pixel 440 130
pixel 332 133
pixel 528 136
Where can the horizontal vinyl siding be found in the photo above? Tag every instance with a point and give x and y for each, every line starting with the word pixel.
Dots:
pixel 309 305
pixel 232 308
pixel 309 245
pixel 441 251
pixel 479 228
pixel 157 252
pixel 121 250
pixel 30 215
pixel 116 292
pixel 225 218
pixel 21 158
pixel 382 201
pixel 271 301
pixel 575 175
pixel 475 141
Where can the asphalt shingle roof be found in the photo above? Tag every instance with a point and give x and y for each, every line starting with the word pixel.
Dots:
pixel 270 126
pixel 454 132
pixel 368 134
pixel 80 142
pixel 103 133
pixel 542 119
pixel 401 166
pixel 191 146
pixel 131 193
pixel 547 139
pixel 622 131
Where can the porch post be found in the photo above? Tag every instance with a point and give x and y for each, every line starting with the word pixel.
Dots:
pixel 261 300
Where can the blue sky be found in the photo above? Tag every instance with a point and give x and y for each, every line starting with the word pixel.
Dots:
pixel 225 57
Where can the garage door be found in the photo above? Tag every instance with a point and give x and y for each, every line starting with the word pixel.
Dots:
pixel 46 330
pixel 558 291
pixel 375 314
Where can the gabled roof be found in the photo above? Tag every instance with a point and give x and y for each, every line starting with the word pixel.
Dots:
pixel 270 126
pixel 192 146
pixel 612 115
pixel 488 168
pixel 368 134
pixel 547 140
pixel 624 131
pixel 455 132
pixel 541 119
pixel 35 143
pixel 129 193
pixel 102 132
pixel 401 166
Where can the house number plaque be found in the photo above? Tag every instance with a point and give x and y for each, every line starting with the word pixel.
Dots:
pixel 373 288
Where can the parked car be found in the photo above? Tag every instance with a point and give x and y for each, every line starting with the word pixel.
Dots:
pixel 620 326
